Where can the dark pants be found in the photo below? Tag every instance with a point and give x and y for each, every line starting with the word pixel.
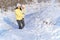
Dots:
pixel 21 23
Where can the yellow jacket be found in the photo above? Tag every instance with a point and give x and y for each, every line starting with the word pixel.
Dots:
pixel 19 14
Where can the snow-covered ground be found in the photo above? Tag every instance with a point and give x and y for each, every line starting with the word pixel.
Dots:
pixel 41 23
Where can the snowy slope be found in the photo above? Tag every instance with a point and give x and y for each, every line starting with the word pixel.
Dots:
pixel 35 28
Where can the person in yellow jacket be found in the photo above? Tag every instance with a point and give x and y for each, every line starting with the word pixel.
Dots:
pixel 19 16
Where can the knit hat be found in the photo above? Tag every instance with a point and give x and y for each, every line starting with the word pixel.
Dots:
pixel 18 4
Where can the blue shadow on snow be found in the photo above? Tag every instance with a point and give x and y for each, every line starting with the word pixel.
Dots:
pixel 9 22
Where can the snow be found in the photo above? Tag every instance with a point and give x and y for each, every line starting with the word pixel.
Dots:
pixel 42 23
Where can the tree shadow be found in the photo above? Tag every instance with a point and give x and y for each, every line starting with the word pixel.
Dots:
pixel 9 22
